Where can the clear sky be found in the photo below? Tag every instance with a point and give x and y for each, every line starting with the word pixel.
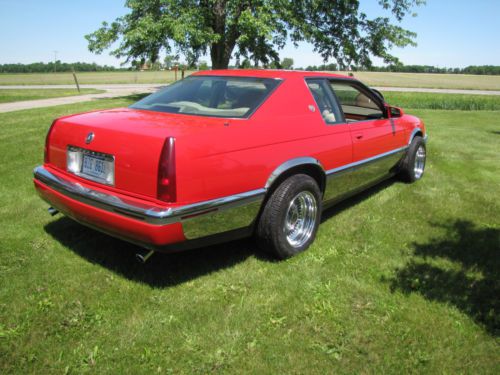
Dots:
pixel 451 33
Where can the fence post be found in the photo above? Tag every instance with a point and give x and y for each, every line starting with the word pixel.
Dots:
pixel 76 80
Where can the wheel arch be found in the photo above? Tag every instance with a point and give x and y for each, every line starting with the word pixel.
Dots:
pixel 305 165
pixel 415 132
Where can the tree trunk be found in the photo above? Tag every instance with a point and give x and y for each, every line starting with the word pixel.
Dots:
pixel 220 55
pixel 221 51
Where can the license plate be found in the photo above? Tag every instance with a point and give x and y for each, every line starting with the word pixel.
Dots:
pixel 91 165
pixel 94 166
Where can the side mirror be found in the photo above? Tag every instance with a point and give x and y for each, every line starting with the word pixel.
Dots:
pixel 395 112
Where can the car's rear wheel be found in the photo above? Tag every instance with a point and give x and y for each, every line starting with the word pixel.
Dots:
pixel 290 218
pixel 413 165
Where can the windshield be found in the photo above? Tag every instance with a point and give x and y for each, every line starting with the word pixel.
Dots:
pixel 210 96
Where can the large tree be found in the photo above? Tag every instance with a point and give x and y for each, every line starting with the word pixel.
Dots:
pixel 254 29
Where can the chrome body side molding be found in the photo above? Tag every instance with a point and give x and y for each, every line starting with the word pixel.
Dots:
pixel 239 214
pixel 364 161
pixel 376 168
pixel 349 178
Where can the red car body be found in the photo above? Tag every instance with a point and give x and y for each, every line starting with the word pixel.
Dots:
pixel 223 168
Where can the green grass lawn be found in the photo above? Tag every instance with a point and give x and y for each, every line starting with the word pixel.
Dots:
pixel 14 95
pixel 401 279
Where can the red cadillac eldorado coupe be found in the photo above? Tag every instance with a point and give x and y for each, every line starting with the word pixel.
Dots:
pixel 226 154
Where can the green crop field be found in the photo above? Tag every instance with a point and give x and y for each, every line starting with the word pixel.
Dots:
pixel 89 78
pixel 442 81
pixel 433 81
pixel 464 102
pixel 401 279
pixel 15 95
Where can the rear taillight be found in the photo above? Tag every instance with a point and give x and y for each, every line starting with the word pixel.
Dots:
pixel 46 149
pixel 166 172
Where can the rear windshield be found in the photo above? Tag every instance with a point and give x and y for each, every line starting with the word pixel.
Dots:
pixel 210 96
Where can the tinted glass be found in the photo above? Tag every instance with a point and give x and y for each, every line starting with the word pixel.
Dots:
pixel 327 107
pixel 355 104
pixel 210 96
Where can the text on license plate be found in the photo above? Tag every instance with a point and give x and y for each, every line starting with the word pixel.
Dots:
pixel 94 166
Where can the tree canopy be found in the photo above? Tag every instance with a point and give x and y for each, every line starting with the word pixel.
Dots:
pixel 287 63
pixel 254 29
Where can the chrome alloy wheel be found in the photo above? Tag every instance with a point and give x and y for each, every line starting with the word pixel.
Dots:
pixel 300 219
pixel 419 166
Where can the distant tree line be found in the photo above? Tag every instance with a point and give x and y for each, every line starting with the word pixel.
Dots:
pixel 481 69
pixel 328 67
pixel 472 69
pixel 58 66
pixel 40 67
pixel 287 63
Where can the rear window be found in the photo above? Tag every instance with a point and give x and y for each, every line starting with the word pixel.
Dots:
pixel 210 96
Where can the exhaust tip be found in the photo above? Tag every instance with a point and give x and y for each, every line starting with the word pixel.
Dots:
pixel 143 258
pixel 52 211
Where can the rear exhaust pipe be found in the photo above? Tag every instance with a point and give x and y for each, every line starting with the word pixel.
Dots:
pixel 52 211
pixel 144 258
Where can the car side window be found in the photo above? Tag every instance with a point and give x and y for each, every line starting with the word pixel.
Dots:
pixel 324 100
pixel 356 105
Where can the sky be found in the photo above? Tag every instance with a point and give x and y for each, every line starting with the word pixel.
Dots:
pixel 450 33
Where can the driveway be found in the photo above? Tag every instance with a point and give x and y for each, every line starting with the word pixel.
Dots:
pixel 117 90
pixel 112 91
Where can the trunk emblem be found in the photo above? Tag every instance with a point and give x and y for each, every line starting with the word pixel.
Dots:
pixel 90 138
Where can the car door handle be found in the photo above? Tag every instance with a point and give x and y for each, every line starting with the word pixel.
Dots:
pixel 358 136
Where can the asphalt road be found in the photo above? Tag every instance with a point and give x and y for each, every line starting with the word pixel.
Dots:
pixel 117 90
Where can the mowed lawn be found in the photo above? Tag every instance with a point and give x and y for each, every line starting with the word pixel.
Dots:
pixel 422 80
pixel 401 279
pixel 16 95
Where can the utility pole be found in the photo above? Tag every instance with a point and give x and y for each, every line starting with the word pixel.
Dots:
pixel 55 61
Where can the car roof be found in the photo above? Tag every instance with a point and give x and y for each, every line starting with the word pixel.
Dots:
pixel 268 73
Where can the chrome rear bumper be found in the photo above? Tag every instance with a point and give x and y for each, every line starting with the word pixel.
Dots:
pixel 198 220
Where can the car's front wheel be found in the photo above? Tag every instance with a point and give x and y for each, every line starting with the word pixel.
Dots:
pixel 413 165
pixel 290 218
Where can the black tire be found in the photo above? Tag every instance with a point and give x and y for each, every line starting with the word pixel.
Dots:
pixel 271 231
pixel 408 170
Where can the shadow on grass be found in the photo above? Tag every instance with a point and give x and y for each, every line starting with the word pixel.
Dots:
pixel 161 270
pixel 495 132
pixel 164 270
pixel 472 284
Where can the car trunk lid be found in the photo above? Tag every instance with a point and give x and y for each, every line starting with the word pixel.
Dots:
pixel 129 140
